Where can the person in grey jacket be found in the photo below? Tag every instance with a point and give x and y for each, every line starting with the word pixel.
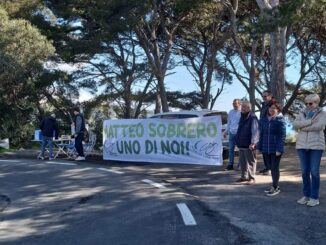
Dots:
pixel 310 145
pixel 79 134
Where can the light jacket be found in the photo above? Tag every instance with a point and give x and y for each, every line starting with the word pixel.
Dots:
pixel 310 134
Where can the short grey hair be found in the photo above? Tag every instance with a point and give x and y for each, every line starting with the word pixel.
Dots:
pixel 312 97
pixel 246 102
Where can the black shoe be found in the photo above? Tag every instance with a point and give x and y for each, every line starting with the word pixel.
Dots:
pixel 228 168
pixel 268 173
pixel 242 180
pixel 273 191
pixel 263 171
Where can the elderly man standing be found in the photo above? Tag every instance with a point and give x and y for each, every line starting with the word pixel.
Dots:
pixel 246 139
pixel 231 130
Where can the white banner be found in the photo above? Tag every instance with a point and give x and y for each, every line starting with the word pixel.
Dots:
pixel 191 140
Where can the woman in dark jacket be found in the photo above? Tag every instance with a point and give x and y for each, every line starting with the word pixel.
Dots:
pixel 271 143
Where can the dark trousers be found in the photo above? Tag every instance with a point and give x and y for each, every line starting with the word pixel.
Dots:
pixel 266 162
pixel 79 144
pixel 273 162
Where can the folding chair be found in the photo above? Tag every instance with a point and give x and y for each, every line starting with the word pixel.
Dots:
pixel 89 147
pixel 66 147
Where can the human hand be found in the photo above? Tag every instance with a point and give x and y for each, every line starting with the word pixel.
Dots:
pixel 252 146
pixel 278 153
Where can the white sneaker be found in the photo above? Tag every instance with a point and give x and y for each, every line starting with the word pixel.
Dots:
pixel 303 200
pixel 79 158
pixel 51 158
pixel 42 158
pixel 313 202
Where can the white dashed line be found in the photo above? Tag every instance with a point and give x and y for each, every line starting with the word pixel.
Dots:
pixel 110 170
pixel 63 163
pixel 157 185
pixel 9 160
pixel 187 217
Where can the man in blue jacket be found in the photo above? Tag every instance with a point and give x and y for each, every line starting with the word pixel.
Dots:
pixel 49 130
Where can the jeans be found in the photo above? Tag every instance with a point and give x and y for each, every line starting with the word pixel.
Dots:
pixel 310 164
pixel 47 141
pixel 231 148
pixel 79 144
pixel 273 163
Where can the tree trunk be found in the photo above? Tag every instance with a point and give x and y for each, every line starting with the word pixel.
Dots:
pixel 158 102
pixel 162 93
pixel 252 88
pixel 278 55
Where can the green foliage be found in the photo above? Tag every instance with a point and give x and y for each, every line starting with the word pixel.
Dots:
pixel 22 52
pixel 20 8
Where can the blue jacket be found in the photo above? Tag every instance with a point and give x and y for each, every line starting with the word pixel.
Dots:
pixel 272 134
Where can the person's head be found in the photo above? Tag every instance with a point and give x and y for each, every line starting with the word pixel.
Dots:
pixel 311 101
pixel 236 104
pixel 245 107
pixel 52 115
pixel 274 109
pixel 76 110
pixel 267 95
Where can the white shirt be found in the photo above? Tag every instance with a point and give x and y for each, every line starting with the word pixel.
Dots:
pixel 233 121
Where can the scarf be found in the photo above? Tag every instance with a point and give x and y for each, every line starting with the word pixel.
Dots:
pixel 309 113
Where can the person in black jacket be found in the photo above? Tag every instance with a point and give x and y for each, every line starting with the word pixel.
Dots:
pixel 49 130
pixel 79 134
pixel 246 139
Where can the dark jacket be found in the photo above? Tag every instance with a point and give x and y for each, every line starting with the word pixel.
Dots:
pixel 79 124
pixel 272 134
pixel 244 136
pixel 49 127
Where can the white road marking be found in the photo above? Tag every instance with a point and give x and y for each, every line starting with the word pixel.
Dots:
pixel 9 160
pixel 157 185
pixel 110 170
pixel 62 163
pixel 187 217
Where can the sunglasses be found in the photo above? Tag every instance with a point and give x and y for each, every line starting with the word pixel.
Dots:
pixel 310 103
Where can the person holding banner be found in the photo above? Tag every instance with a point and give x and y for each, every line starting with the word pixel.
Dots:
pixel 246 139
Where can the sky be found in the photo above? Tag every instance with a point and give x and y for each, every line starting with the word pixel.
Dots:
pixel 182 77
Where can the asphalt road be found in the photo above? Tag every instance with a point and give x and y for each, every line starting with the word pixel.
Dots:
pixel 61 202
pixel 102 202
